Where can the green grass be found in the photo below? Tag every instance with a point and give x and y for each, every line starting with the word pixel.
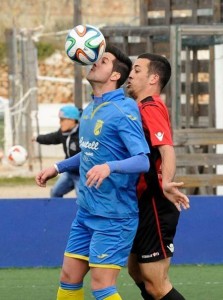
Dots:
pixel 19 180
pixel 194 282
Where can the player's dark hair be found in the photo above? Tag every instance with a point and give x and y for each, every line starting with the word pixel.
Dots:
pixel 158 65
pixel 122 64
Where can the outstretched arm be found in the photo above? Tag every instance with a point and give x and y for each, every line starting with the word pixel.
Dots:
pixel 66 165
pixel 43 176
pixel 171 188
pixel 70 164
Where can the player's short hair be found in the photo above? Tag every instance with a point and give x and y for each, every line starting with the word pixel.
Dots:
pixel 158 65
pixel 122 64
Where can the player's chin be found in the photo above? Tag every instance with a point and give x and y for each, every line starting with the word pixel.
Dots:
pixel 90 76
pixel 128 87
pixel 129 90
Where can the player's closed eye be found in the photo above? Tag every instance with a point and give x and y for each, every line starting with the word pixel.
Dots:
pixel 104 60
pixel 136 70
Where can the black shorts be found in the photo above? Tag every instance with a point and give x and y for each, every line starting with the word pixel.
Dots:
pixel 158 219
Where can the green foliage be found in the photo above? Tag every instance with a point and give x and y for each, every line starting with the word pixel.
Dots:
pixel 45 50
pixel 2 52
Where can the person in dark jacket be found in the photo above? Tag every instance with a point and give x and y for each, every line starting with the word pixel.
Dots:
pixel 68 136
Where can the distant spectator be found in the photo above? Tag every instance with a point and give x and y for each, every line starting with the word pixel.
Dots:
pixel 67 135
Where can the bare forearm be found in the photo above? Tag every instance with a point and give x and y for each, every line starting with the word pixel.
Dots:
pixel 171 188
pixel 168 163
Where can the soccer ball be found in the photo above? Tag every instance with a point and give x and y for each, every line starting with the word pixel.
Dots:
pixel 85 44
pixel 17 155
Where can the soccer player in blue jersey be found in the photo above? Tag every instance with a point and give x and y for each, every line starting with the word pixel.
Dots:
pixel 113 153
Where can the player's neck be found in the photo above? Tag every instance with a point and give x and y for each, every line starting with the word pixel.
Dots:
pixel 100 89
pixel 147 93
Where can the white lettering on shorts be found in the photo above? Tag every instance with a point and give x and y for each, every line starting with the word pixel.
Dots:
pixel 154 254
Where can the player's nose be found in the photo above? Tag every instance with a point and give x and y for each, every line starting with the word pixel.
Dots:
pixel 130 74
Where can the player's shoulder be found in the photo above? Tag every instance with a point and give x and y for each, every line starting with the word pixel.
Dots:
pixel 127 107
pixel 128 103
pixel 87 111
pixel 153 101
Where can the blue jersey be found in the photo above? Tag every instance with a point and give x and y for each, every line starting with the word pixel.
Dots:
pixel 110 130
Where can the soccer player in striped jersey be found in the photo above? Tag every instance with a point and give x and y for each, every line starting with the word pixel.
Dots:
pixel 113 154
pixel 159 197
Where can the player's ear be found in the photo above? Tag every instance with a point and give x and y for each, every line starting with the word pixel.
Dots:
pixel 154 78
pixel 115 76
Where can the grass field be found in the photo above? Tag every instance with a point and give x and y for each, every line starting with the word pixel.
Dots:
pixel 18 181
pixel 194 282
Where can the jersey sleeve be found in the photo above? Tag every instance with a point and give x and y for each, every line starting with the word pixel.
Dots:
pixel 156 122
pixel 131 132
pixel 70 164
pixel 53 138
pixel 134 164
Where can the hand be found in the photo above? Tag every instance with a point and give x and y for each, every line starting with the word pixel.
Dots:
pixel 46 174
pixel 173 194
pixel 97 174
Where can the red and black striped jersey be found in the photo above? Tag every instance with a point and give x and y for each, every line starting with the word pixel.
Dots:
pixel 157 129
